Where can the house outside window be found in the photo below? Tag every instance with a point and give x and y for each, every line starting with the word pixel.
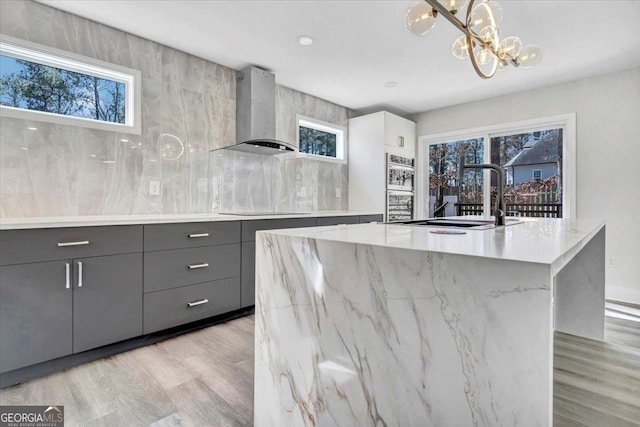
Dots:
pixel 45 84
pixel 537 156
pixel 322 140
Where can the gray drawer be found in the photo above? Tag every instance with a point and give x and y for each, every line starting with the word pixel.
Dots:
pixel 370 218
pixel 165 309
pixel 249 228
pixel 170 269
pixel 25 246
pixel 336 220
pixel 158 237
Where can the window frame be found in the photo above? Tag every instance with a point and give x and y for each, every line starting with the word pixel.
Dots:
pixel 565 121
pixel 342 151
pixel 45 55
pixel 533 174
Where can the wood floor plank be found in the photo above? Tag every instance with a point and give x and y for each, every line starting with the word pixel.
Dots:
pixel 623 332
pixel 205 378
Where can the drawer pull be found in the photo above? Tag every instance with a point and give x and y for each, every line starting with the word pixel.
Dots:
pixel 79 274
pixel 201 265
pixel 78 243
pixel 196 235
pixel 67 268
pixel 196 303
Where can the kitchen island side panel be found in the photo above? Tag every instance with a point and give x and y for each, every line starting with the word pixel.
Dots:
pixel 367 334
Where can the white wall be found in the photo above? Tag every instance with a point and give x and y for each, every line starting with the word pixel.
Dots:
pixel 608 155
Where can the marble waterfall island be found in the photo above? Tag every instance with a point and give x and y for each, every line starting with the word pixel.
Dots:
pixel 380 324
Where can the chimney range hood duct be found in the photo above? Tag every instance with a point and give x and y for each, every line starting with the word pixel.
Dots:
pixel 256 114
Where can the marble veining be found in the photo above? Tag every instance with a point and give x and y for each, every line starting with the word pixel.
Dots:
pixel 373 336
pixel 386 325
pixel 188 109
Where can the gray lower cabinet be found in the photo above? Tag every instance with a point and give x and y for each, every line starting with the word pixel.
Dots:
pixel 248 286
pixel 370 218
pixel 67 290
pixel 179 267
pixel 173 307
pixel 107 308
pixel 36 312
pixel 338 220
pixel 191 272
pixel 53 309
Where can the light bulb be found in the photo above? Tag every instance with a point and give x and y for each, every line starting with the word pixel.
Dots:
pixel 460 48
pixel 490 34
pixel 482 15
pixel 530 56
pixel 419 18
pixel 496 10
pixel 483 56
pixel 453 6
pixel 510 47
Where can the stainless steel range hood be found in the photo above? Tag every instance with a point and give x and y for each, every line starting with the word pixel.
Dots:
pixel 256 114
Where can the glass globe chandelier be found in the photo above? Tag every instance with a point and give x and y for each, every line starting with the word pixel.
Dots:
pixel 481 40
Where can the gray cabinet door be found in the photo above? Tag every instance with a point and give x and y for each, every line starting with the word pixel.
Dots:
pixel 108 306
pixel 173 307
pixel 50 244
pixel 370 218
pixel 248 276
pixel 160 237
pixel 179 267
pixel 337 220
pixel 35 313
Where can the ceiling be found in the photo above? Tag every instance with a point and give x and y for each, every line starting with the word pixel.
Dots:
pixel 360 45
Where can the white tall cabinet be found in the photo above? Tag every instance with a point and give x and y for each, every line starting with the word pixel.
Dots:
pixel 371 137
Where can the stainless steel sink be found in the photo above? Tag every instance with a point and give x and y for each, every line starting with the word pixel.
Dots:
pixel 458 223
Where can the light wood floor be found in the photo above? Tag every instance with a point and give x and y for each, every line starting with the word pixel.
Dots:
pixel 205 378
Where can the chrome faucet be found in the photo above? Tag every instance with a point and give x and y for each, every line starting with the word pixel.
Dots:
pixel 500 209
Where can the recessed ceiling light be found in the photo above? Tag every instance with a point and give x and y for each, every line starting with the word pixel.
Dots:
pixel 390 84
pixel 305 40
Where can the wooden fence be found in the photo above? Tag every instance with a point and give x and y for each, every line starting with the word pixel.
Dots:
pixel 537 210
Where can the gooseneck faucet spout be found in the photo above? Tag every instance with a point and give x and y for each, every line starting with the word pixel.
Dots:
pixel 500 209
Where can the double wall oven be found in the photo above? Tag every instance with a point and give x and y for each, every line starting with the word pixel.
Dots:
pixel 400 187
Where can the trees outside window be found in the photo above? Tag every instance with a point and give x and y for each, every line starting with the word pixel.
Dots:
pixel 37 87
pixel 320 143
pixel 325 140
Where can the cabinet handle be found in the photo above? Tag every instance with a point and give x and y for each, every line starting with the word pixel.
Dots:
pixel 201 265
pixel 79 274
pixel 67 268
pixel 78 243
pixel 195 235
pixel 196 303
pixel 401 141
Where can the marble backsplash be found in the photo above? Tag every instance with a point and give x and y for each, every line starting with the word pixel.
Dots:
pixel 253 183
pixel 188 109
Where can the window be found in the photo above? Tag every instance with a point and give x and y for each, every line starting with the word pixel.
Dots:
pixel 322 140
pixel 537 157
pixel 445 192
pixel 537 174
pixel 45 84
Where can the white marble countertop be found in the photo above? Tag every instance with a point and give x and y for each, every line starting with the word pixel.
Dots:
pixel 87 221
pixel 537 240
